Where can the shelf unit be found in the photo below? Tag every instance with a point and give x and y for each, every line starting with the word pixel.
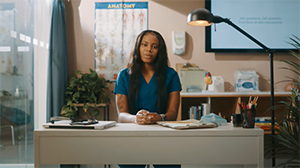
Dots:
pixel 226 102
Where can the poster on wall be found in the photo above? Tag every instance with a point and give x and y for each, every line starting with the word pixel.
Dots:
pixel 117 25
pixel 7 17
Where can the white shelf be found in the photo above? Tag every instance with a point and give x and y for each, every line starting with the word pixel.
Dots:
pixel 232 94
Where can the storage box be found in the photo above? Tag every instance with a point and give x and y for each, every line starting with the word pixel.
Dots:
pixel 192 79
pixel 246 81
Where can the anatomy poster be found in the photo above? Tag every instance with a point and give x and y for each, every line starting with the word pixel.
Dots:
pixel 116 28
pixel 7 18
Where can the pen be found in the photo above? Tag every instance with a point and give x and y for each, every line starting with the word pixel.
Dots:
pixel 242 104
pixel 255 100
pixel 241 108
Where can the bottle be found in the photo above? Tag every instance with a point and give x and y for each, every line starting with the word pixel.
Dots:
pixel 17 92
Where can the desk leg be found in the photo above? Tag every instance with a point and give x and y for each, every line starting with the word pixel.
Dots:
pixel 260 154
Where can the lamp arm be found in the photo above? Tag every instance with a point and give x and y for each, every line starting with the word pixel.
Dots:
pixel 218 19
pixel 226 20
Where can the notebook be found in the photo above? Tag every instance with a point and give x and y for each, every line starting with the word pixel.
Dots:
pixel 65 124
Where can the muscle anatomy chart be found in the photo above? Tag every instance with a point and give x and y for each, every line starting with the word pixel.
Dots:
pixel 116 27
pixel 7 19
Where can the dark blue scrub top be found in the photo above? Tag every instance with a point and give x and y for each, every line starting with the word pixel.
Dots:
pixel 148 92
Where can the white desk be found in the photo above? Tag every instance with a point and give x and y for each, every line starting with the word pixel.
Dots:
pixel 150 144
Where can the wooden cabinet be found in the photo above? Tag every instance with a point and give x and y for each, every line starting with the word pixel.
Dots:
pixel 226 102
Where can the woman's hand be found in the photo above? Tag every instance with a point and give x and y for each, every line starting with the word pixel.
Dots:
pixel 141 117
pixel 152 118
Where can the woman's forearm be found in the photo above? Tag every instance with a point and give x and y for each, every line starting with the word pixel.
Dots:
pixel 171 116
pixel 125 117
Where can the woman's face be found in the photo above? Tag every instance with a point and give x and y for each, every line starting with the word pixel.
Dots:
pixel 149 48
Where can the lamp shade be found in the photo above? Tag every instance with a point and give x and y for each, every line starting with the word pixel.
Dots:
pixel 200 17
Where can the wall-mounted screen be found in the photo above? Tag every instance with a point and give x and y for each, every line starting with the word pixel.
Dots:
pixel 271 22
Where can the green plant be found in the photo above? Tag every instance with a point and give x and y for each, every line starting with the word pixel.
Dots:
pixel 286 136
pixel 86 90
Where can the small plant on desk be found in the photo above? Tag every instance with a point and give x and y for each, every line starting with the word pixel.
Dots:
pixel 86 91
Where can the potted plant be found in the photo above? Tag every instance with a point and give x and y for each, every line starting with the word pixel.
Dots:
pixel 287 134
pixel 87 91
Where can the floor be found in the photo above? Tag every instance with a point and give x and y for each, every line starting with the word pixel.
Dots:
pixel 18 153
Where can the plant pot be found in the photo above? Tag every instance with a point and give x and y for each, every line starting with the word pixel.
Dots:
pixel 86 115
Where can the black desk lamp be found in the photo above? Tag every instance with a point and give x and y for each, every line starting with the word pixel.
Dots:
pixel 202 17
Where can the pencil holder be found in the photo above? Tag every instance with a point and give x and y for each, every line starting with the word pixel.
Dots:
pixel 248 117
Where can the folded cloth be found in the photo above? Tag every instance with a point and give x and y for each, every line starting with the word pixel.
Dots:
pixel 213 118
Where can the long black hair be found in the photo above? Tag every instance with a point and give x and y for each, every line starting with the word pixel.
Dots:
pixel 160 66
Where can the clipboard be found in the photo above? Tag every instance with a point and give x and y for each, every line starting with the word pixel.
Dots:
pixel 189 124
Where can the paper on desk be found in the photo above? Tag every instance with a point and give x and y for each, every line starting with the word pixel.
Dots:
pixel 186 124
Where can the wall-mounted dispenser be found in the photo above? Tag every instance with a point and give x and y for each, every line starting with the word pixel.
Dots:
pixel 178 42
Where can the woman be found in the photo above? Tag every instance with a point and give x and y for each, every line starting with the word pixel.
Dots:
pixel 148 90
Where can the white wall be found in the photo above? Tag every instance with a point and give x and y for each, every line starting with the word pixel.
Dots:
pixel 42 18
pixel 166 16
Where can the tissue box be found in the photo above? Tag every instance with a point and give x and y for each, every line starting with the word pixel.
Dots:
pixel 246 81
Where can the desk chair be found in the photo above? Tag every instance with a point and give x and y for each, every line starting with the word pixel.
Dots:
pixel 12 133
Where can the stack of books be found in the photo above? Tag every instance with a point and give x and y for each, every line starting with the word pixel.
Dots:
pixel 196 112
pixel 264 123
